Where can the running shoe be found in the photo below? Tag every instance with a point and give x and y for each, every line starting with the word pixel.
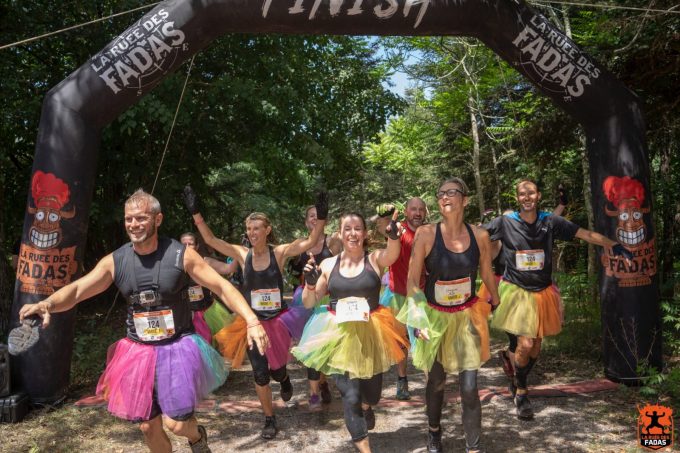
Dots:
pixel 524 409
pixel 201 445
pixel 369 416
pixel 402 390
pixel 269 430
pixel 286 389
pixel 314 403
pixel 326 395
pixel 434 441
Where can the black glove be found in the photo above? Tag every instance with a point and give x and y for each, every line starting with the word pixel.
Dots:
pixel 619 250
pixel 392 230
pixel 321 205
pixel 562 197
pixel 311 272
pixel 190 200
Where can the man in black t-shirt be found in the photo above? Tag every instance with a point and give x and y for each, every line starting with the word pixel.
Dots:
pixel 531 307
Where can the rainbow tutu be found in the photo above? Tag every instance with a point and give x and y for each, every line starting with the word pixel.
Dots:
pixel 232 340
pixel 217 317
pixel 458 340
pixel 183 372
pixel 200 326
pixel 527 313
pixel 361 349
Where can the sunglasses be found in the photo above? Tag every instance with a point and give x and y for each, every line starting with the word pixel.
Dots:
pixel 449 193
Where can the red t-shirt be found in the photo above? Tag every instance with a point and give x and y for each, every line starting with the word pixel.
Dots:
pixel 399 270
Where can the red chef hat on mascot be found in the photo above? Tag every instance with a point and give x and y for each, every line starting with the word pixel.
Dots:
pixel 49 191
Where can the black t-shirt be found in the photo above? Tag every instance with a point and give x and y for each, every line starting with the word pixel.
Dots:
pixel 527 248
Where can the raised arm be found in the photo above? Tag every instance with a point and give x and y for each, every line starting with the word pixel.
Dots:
pixel 387 256
pixel 206 276
pixel 222 267
pixel 93 283
pixel 316 280
pixel 236 251
pixel 302 245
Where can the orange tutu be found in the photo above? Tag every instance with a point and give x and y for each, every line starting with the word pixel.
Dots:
pixel 529 314
pixel 483 293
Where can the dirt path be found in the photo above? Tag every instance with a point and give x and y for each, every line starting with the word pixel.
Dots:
pixel 594 422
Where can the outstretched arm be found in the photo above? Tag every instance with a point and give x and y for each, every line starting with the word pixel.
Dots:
pixel 603 241
pixel 91 284
pixel 206 276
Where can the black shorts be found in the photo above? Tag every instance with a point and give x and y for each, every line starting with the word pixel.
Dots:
pixel 156 411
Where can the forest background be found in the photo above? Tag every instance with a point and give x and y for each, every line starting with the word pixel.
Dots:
pixel 267 120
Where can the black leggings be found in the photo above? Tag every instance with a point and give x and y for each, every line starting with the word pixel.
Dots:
pixel 472 408
pixel 313 375
pixel 261 371
pixel 354 392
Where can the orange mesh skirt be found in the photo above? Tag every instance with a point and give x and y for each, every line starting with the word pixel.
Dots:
pixel 527 313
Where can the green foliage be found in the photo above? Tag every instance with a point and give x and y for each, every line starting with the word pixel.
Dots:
pixel 94 334
pixel 659 384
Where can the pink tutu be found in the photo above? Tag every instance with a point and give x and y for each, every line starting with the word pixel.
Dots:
pixel 183 372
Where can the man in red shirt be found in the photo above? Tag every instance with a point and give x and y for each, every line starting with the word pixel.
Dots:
pixel 394 295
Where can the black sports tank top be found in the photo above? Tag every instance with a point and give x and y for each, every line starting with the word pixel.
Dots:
pixel 366 285
pixel 263 289
pixel 161 272
pixel 298 264
pixel 451 276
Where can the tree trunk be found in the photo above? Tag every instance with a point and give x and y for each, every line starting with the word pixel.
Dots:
pixel 475 154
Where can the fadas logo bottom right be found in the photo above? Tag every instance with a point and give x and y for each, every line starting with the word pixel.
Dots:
pixel 655 427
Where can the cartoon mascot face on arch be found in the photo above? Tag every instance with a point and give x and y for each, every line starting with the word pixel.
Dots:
pixel 627 195
pixel 50 195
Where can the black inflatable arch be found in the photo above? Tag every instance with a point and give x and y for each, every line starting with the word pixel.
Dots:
pixel 75 112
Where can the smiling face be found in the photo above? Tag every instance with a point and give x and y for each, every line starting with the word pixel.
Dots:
pixel 353 233
pixel 310 218
pixel 141 224
pixel 450 198
pixel 528 196
pixel 257 231
pixel 415 212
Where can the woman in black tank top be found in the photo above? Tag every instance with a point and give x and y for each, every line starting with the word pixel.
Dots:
pixel 263 289
pixel 450 321
pixel 325 247
pixel 353 338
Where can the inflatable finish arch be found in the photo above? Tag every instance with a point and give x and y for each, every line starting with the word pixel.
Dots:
pixel 75 112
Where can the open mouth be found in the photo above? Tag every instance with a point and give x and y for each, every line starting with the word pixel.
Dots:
pixel 631 237
pixel 44 240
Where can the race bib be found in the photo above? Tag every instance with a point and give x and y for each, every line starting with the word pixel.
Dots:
pixel 454 292
pixel 530 260
pixel 154 325
pixel 351 309
pixel 195 293
pixel 265 299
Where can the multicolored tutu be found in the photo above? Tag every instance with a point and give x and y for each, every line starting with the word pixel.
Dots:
pixel 458 340
pixel 232 339
pixel 361 349
pixel 395 302
pixel 299 316
pixel 217 317
pixel 184 372
pixel 527 313
pixel 483 292
pixel 201 326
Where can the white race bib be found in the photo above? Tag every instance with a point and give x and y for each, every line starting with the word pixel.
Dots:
pixel 265 299
pixel 453 292
pixel 154 325
pixel 195 293
pixel 350 309
pixel 529 260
